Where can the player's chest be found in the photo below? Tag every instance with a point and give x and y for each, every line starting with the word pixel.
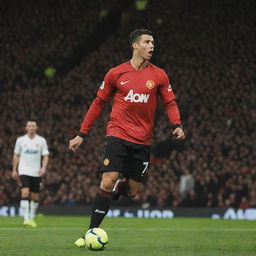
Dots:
pixel 31 148
pixel 138 82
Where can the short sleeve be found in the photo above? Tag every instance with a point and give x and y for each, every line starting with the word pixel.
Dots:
pixel 107 87
pixel 17 149
pixel 45 150
pixel 165 88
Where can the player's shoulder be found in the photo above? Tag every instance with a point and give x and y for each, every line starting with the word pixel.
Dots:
pixel 22 137
pixel 120 68
pixel 41 138
pixel 157 69
pixel 115 72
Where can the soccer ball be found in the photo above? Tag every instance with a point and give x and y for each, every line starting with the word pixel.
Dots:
pixel 96 239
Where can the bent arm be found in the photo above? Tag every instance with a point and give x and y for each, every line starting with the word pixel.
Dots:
pixel 93 113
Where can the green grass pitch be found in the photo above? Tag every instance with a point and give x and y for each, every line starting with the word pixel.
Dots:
pixel 55 236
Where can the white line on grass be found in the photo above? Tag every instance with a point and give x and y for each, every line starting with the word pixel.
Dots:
pixel 134 229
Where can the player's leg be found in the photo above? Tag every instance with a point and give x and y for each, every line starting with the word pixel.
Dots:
pixel 34 196
pixel 126 187
pixel 101 202
pixel 24 202
pixel 120 189
pixel 103 197
pixel 114 152
pixel 133 188
pixel 34 203
pixel 135 171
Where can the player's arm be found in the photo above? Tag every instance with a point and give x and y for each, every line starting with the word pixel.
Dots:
pixel 15 161
pixel 93 113
pixel 174 116
pixel 45 162
pixel 104 93
pixel 171 107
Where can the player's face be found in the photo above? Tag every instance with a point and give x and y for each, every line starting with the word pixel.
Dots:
pixel 145 46
pixel 31 128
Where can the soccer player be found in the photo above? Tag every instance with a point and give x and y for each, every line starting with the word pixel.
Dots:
pixel 135 86
pixel 28 153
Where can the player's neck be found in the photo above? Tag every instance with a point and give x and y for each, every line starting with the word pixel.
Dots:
pixel 32 136
pixel 138 62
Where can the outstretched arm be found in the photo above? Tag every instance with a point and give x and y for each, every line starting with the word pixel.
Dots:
pixel 93 113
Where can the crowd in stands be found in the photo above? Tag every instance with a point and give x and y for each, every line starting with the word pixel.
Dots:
pixel 207 51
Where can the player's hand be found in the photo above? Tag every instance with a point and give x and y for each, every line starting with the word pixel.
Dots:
pixel 42 171
pixel 15 175
pixel 75 143
pixel 178 133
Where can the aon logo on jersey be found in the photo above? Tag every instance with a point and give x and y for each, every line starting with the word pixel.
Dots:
pixel 136 97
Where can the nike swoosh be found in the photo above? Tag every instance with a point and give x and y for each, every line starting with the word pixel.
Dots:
pixel 125 82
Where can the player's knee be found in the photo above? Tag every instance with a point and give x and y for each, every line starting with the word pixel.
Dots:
pixel 35 196
pixel 108 187
pixel 108 183
pixel 25 193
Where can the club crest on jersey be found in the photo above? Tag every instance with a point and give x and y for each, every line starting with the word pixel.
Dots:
pixel 150 84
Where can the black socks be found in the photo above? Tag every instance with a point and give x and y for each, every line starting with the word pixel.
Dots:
pixel 100 207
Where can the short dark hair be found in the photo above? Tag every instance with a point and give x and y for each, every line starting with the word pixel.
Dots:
pixel 136 34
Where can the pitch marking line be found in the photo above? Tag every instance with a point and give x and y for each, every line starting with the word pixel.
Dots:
pixel 136 229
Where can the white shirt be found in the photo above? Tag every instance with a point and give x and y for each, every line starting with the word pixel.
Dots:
pixel 30 152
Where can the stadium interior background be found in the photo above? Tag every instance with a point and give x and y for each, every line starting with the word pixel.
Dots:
pixel 54 55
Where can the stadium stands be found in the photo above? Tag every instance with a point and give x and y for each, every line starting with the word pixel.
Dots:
pixel 208 52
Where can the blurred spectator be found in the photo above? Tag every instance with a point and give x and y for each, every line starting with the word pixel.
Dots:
pixel 3 196
pixel 187 183
pixel 244 203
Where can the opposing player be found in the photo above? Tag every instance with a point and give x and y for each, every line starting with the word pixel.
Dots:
pixel 28 153
pixel 135 86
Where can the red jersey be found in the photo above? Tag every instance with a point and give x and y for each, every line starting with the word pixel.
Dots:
pixel 135 94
